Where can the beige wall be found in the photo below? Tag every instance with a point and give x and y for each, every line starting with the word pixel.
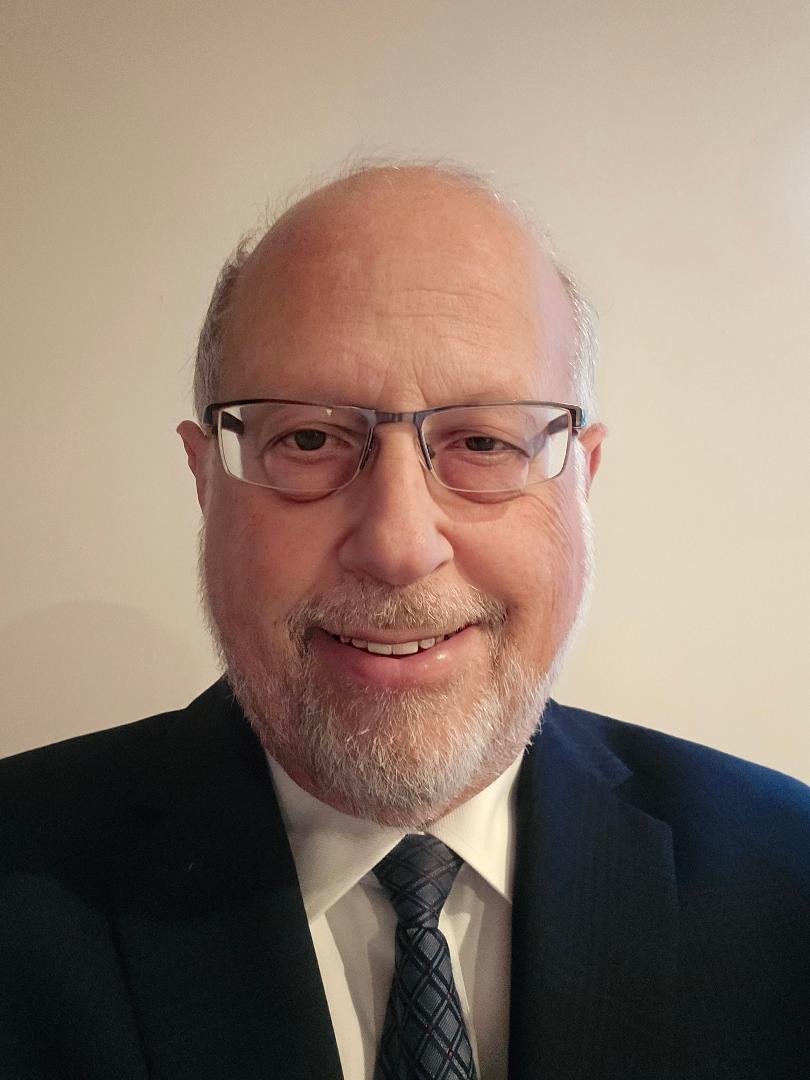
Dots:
pixel 667 145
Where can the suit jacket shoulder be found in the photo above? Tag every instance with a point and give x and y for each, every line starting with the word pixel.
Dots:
pixel 661 910
pixel 733 811
pixel 150 918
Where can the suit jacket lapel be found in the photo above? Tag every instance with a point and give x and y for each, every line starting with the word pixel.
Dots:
pixel 212 930
pixel 594 917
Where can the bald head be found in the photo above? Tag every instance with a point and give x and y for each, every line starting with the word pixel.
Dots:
pixel 415 235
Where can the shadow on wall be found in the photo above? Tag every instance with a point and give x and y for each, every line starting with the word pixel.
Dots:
pixel 80 667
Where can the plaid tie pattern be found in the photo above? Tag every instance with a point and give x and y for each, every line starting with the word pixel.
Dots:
pixel 423 1037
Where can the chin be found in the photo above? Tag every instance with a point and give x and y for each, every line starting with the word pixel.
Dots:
pixel 381 755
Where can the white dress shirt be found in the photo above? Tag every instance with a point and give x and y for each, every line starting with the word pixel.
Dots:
pixel 352 921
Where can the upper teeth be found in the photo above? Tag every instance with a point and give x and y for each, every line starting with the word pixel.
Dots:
pixel 399 648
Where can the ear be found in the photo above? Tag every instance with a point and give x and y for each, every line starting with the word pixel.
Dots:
pixel 197 445
pixel 591 442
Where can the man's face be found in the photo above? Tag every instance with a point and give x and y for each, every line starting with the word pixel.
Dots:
pixel 397 296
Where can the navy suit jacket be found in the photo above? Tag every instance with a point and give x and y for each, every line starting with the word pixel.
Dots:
pixel 151 924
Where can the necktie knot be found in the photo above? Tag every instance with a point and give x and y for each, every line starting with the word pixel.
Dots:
pixel 418 875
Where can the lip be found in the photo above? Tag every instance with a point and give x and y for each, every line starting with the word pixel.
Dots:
pixel 391 637
pixel 424 668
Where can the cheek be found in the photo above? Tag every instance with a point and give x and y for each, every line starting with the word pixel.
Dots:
pixel 533 559
pixel 261 560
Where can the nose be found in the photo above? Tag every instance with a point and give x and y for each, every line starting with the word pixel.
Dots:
pixel 397 533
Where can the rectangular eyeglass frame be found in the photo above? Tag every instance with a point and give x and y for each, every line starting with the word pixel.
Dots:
pixel 377 416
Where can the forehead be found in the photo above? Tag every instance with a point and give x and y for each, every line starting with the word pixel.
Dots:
pixel 399 293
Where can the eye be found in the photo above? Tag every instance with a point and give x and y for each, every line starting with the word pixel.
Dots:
pixel 474 443
pixel 309 439
pixel 483 442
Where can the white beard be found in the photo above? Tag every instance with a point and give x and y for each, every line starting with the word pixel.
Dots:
pixel 390 755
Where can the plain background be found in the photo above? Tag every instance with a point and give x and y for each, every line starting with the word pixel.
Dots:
pixel 667 147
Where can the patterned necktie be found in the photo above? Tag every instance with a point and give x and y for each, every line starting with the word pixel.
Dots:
pixel 423 1037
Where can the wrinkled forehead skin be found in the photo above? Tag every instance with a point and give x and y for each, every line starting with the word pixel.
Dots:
pixel 406 271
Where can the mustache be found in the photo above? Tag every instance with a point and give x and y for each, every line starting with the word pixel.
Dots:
pixel 411 607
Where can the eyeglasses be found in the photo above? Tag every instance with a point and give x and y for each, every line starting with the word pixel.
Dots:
pixel 309 449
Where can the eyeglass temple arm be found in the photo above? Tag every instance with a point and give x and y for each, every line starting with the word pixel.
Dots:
pixel 578 421
pixel 228 421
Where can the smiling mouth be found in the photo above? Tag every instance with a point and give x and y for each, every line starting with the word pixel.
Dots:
pixel 394 648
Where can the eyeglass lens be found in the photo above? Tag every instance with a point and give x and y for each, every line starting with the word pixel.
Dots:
pixel 315 449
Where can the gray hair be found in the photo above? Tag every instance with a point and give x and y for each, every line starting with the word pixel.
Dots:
pixel 210 357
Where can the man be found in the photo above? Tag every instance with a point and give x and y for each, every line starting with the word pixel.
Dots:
pixel 393 462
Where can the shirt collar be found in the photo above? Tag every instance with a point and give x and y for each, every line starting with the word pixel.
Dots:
pixel 333 851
